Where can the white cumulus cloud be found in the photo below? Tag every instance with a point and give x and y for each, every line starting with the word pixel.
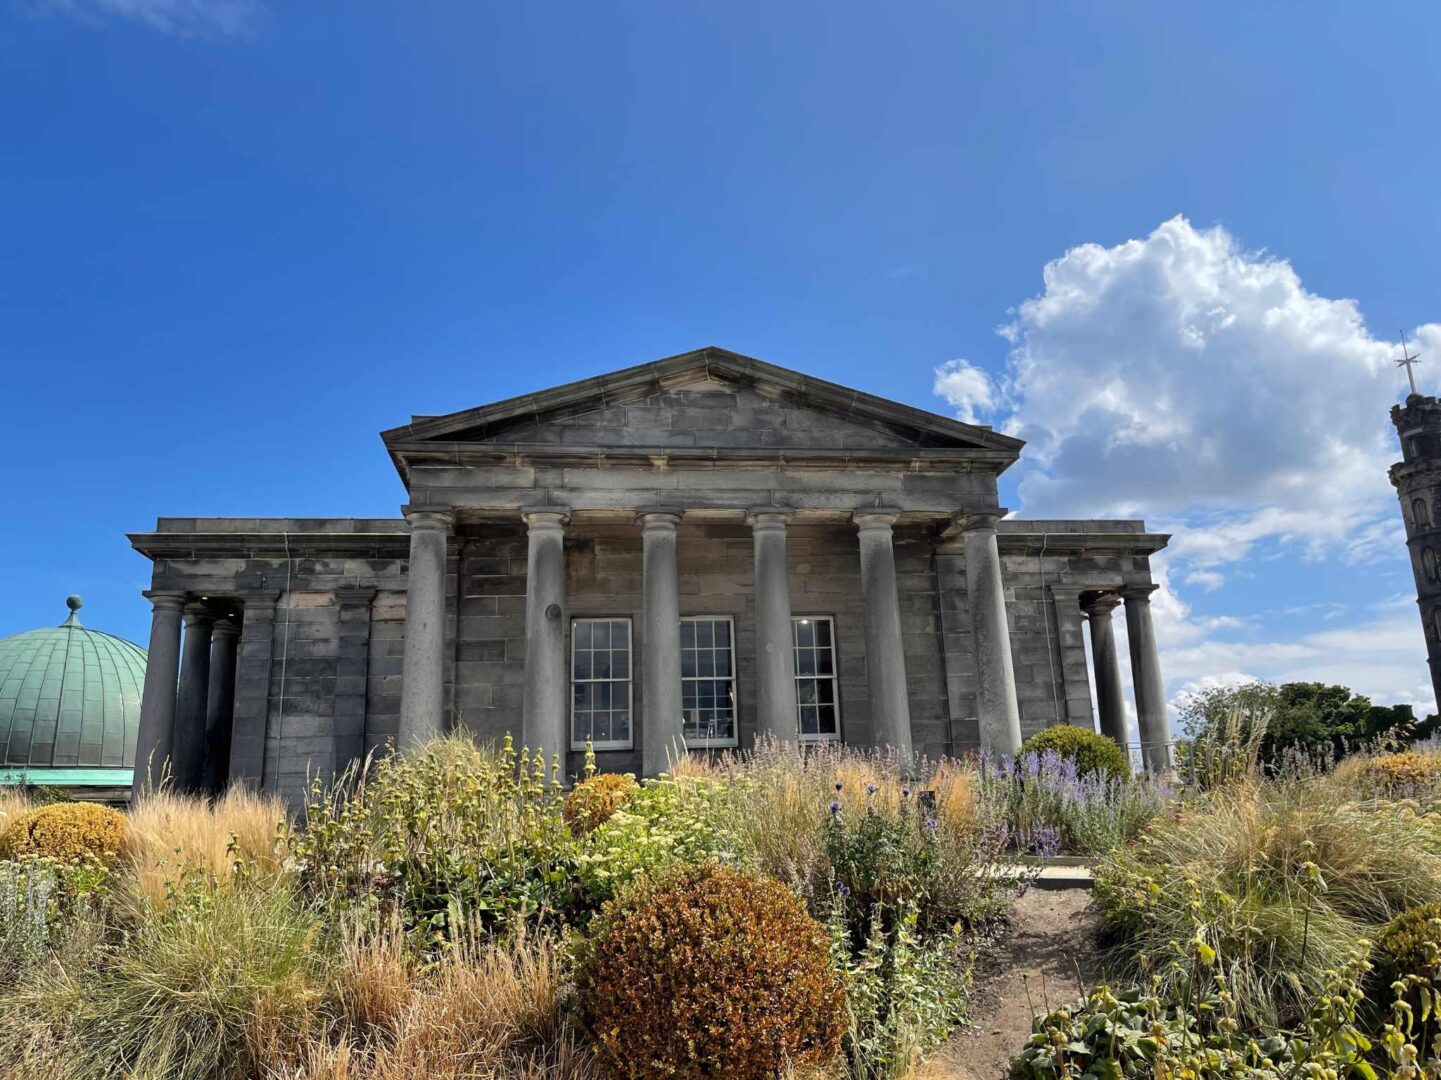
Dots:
pixel 1186 379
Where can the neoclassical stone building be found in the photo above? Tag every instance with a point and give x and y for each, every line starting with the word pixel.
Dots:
pixel 689 552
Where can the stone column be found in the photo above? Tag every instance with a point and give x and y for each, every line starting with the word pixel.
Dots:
pixel 352 675
pixel 547 674
pixel 220 704
pixel 422 686
pixel 998 713
pixel 1146 678
pixel 251 718
pixel 662 732
pixel 885 647
pixel 157 702
pixel 188 747
pixel 775 651
pixel 1110 702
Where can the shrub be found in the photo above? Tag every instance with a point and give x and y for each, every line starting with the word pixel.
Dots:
pixel 666 822
pixel 65 831
pixel 1410 774
pixel 704 971
pixel 1409 944
pixel 592 801
pixel 444 832
pixel 1091 752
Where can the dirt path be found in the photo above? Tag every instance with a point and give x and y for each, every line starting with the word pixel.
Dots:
pixel 1051 936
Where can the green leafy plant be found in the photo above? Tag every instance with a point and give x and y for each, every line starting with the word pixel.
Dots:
pixel 443 833
pixel 904 994
pixel 702 971
pixel 1091 752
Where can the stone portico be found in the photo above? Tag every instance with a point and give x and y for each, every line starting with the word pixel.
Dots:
pixel 691 552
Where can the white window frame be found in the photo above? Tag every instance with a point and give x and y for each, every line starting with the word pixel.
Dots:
pixel 834 677
pixel 614 744
pixel 734 740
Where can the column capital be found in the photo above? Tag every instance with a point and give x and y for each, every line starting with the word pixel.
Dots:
pixel 877 517
pixel 419 518
pixel 198 612
pixel 1138 592
pixel 659 517
pixel 772 516
pixel 545 517
pixel 355 595
pixel 1102 606
pixel 972 520
pixel 165 599
pixel 225 628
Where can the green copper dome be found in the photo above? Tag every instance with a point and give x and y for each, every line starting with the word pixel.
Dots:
pixel 69 705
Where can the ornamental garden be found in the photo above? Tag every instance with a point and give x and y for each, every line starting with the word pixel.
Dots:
pixel 1272 909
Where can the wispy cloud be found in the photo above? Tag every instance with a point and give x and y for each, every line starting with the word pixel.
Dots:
pixel 183 18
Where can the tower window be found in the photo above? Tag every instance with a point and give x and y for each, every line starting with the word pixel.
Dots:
pixel 1428 564
pixel 1420 514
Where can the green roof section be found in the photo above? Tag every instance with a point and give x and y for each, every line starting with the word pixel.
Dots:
pixel 69 699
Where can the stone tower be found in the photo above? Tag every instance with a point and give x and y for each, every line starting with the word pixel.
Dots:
pixel 1417 479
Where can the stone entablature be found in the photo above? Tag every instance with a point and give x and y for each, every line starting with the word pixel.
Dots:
pixel 704 486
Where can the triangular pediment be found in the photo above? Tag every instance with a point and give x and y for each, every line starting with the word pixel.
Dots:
pixel 707 398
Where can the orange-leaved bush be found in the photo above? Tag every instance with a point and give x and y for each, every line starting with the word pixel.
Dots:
pixel 591 802
pixel 65 831
pixel 703 971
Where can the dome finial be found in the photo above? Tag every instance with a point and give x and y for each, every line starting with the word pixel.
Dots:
pixel 74 603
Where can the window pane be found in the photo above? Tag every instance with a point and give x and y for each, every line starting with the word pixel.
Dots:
pixel 619 665
pixel 823 632
pixel 582 635
pixel 805 662
pixel 703 631
pixel 824 665
pixel 580 667
pixel 806 691
pixel 620 635
pixel 602 695
pixel 600 668
pixel 600 635
pixel 827 716
pixel 687 635
pixel 620 726
pixel 805 632
pixel 809 722
pixel 582 696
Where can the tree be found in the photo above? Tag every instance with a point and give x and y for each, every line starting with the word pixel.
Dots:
pixel 1317 719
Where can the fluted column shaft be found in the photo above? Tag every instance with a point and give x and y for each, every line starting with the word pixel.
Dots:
pixel 422 688
pixel 1146 678
pixel 998 712
pixel 157 702
pixel 775 652
pixel 885 647
pixel 188 746
pixel 547 679
pixel 662 731
pixel 220 704
pixel 1110 699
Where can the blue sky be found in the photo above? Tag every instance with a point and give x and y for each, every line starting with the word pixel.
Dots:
pixel 242 237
